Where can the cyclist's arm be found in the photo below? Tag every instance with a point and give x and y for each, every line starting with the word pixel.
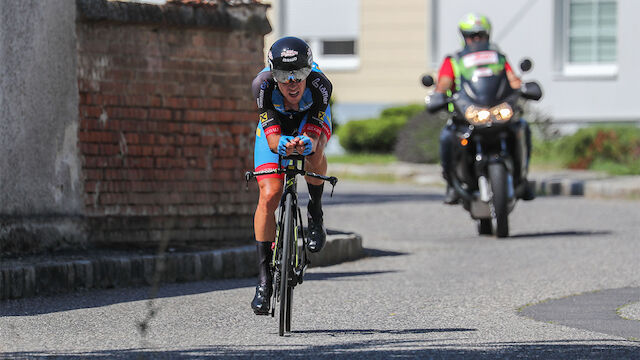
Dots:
pixel 262 88
pixel 316 128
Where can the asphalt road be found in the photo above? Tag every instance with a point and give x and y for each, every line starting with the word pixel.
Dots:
pixel 430 288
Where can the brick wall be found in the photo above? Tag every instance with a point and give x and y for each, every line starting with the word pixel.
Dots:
pixel 166 132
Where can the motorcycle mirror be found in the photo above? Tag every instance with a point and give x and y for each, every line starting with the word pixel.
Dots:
pixel 427 80
pixel 526 65
pixel 531 90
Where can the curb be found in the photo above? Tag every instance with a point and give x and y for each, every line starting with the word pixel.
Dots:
pixel 49 277
pixel 565 182
pixel 558 187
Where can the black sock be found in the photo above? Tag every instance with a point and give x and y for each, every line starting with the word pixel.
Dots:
pixel 315 201
pixel 264 262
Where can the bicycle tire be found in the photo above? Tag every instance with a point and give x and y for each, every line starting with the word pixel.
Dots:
pixel 285 264
pixel 294 254
pixel 287 325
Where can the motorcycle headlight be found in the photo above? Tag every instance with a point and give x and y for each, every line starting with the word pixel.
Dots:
pixel 476 115
pixel 480 116
pixel 502 112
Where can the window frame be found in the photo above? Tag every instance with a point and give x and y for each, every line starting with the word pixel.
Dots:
pixel 569 70
pixel 334 62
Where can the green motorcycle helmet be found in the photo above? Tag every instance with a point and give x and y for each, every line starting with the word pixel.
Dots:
pixel 473 23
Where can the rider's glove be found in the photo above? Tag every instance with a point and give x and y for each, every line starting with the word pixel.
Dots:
pixel 308 146
pixel 282 145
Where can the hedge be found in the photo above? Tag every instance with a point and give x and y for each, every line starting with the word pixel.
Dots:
pixel 613 149
pixel 376 135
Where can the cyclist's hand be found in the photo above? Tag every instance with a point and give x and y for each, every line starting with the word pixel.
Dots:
pixel 284 146
pixel 305 144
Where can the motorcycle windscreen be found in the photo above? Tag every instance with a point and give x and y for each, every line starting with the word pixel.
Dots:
pixel 486 88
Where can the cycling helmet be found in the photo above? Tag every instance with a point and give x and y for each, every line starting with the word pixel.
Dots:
pixel 290 59
pixel 472 24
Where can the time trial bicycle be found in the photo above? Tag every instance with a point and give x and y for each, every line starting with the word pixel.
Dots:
pixel 290 257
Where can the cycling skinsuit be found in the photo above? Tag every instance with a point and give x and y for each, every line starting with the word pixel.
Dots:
pixel 313 116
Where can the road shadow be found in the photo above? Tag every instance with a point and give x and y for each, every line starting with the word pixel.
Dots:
pixel 334 332
pixel 560 233
pixel 415 347
pixel 368 252
pixel 373 198
pixel 321 276
pixel 104 297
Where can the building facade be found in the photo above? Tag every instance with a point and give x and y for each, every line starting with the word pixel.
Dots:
pixel 581 49
pixel 373 51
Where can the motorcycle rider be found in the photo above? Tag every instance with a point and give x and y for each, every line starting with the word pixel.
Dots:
pixel 475 30
pixel 292 95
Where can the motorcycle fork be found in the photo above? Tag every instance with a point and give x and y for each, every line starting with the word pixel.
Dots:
pixel 481 172
pixel 505 159
pixel 481 165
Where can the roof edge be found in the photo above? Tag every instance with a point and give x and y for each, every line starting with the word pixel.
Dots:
pixel 250 17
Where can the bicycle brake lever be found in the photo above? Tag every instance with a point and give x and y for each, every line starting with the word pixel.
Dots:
pixel 247 177
pixel 333 181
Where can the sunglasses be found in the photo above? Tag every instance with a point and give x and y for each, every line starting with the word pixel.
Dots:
pixel 287 76
pixel 478 34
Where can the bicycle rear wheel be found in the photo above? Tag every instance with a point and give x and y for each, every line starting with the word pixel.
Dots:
pixel 285 268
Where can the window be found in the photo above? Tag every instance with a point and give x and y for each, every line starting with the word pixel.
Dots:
pixel 589 32
pixel 334 54
pixel 339 47
pixel 332 34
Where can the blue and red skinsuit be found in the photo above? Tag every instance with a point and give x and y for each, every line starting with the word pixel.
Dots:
pixel 313 116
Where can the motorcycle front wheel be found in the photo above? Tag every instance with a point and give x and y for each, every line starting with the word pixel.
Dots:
pixel 500 199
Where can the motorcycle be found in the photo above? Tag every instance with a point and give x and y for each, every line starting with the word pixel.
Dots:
pixel 490 166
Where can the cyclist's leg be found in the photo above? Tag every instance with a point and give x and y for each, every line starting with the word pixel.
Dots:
pixel 317 163
pixel 264 220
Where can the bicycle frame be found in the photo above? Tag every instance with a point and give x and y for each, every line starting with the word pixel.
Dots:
pixel 290 255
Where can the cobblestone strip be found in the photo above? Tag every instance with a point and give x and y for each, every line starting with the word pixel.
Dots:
pixel 56 277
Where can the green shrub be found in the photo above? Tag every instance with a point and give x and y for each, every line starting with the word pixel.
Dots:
pixel 613 149
pixel 380 135
pixel 407 111
pixel 419 140
pixel 375 135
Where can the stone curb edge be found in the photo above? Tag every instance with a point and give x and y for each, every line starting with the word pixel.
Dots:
pixel 59 277
pixel 556 187
pixel 617 188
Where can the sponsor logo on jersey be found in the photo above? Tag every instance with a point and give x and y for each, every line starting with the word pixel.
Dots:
pixel 480 58
pixel 258 132
pixel 323 90
pixel 260 99
pixel 264 117
pixel 321 115
pixel 482 72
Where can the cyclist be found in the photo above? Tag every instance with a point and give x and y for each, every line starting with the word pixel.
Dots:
pixel 292 95
pixel 475 30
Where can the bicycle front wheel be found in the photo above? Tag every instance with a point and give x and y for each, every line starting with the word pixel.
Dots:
pixel 285 267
